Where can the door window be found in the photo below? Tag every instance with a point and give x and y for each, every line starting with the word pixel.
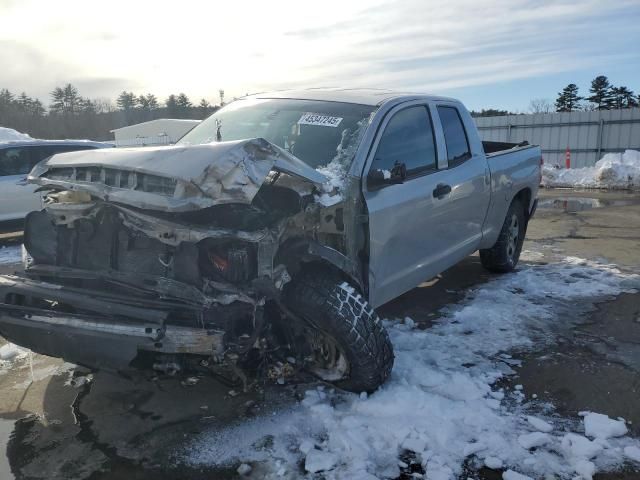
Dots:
pixel 14 161
pixel 454 135
pixel 407 139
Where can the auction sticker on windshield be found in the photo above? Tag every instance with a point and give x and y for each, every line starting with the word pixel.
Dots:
pixel 310 118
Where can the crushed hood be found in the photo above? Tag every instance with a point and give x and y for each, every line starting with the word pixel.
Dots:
pixel 173 179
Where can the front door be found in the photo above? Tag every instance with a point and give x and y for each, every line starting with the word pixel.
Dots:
pixel 433 219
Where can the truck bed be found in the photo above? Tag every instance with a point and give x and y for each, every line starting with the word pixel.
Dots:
pixel 497 148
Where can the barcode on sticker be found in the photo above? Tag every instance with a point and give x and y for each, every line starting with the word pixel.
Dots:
pixel 319 119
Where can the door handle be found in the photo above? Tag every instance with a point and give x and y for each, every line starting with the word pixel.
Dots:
pixel 441 190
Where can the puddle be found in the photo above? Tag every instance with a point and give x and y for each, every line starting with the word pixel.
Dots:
pixel 579 204
pixel 6 429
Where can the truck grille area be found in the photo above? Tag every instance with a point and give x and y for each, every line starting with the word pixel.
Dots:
pixel 117 178
pixel 103 243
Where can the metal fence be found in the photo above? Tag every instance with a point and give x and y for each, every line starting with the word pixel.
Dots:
pixel 588 135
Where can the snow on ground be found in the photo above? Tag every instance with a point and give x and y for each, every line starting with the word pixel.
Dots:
pixel 614 170
pixel 10 255
pixel 9 134
pixel 441 405
pixel 9 353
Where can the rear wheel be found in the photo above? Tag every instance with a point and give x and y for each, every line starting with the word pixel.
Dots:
pixel 345 342
pixel 503 256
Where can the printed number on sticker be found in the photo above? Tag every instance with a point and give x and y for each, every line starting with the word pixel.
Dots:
pixel 319 119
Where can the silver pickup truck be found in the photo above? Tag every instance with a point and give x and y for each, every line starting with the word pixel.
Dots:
pixel 260 245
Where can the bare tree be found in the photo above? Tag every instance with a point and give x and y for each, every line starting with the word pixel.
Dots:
pixel 541 105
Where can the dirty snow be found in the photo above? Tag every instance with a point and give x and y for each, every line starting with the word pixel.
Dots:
pixel 633 453
pixel 441 404
pixel 10 351
pixel 10 135
pixel 10 255
pixel 613 171
pixel 9 354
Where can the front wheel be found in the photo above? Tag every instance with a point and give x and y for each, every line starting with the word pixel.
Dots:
pixel 504 255
pixel 345 342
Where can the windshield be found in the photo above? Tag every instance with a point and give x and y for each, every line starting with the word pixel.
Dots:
pixel 314 131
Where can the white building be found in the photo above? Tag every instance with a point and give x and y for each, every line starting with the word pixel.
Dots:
pixel 163 131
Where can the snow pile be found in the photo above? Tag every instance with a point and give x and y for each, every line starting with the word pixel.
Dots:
pixel 440 407
pixel 9 353
pixel 597 425
pixel 10 135
pixel 10 255
pixel 614 170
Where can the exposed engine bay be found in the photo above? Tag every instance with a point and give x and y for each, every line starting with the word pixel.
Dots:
pixel 185 267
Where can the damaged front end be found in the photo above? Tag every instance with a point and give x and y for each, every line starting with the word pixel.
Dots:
pixel 172 258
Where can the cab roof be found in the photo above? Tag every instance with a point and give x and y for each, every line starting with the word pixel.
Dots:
pixel 361 96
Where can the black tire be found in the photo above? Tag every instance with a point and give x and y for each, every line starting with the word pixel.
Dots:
pixel 503 256
pixel 324 301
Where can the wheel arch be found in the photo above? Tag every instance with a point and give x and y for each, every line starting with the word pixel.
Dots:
pixel 524 195
pixel 299 254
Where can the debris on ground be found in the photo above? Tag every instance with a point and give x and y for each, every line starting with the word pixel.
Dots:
pixel 190 381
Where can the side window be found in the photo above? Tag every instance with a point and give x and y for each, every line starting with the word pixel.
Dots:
pixel 67 148
pixel 14 161
pixel 408 138
pixel 40 153
pixel 454 135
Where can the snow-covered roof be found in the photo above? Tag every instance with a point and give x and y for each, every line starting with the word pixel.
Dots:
pixel 159 122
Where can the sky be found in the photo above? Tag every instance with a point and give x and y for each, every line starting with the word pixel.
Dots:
pixel 488 53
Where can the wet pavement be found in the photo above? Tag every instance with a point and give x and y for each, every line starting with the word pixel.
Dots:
pixel 67 425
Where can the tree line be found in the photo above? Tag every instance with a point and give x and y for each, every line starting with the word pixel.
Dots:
pixel 70 115
pixel 603 96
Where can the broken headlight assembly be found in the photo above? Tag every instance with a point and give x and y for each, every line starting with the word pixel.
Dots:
pixel 225 261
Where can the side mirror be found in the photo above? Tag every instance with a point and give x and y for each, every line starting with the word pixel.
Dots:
pixel 378 177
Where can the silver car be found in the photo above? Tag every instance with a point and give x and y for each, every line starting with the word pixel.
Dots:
pixel 17 158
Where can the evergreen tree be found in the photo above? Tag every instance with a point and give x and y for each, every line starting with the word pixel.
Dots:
pixel 73 101
pixel 205 108
pixel 623 97
pixel 148 102
pixel 172 105
pixel 601 93
pixel 66 100
pixel 126 101
pixel 37 110
pixel 183 102
pixel 490 112
pixel 57 101
pixel 568 100
pixel 6 98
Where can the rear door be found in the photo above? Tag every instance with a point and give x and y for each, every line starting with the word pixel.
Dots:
pixel 470 180
pixel 433 219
